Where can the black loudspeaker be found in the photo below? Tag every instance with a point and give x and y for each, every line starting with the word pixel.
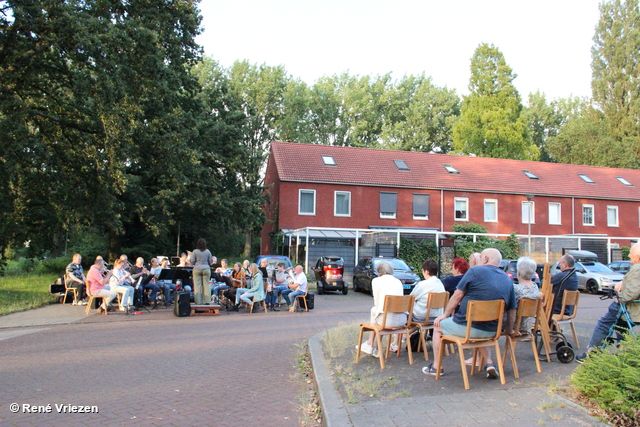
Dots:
pixel 310 300
pixel 182 306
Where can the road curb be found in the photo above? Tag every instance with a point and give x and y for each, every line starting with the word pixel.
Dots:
pixel 334 412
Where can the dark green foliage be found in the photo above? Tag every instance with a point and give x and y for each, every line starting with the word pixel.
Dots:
pixel 465 246
pixel 58 265
pixel 612 380
pixel 625 252
pixel 416 253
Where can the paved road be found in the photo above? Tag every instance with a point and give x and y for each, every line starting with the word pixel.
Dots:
pixel 157 369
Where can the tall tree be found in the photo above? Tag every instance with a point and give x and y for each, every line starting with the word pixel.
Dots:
pixel 544 121
pixel 616 69
pixel 491 122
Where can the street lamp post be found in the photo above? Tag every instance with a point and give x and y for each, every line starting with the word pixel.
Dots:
pixel 530 203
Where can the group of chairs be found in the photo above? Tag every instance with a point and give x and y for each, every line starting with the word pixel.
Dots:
pixel 225 302
pixel 546 323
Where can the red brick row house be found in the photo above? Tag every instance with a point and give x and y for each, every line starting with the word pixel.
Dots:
pixel 347 187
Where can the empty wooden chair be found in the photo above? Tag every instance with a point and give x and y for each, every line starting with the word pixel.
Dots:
pixel 569 299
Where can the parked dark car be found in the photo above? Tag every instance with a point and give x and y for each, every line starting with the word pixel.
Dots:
pixel 365 272
pixel 274 260
pixel 510 266
pixel 621 267
pixel 329 271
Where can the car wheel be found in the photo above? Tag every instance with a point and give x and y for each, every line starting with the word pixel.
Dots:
pixel 320 288
pixel 345 290
pixel 592 287
pixel 356 288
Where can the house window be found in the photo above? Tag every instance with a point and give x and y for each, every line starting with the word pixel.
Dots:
pixel 328 160
pixel 624 181
pixel 529 212
pixel 586 178
pixel 388 205
pixel 554 214
pixel 490 210
pixel 307 202
pixel 588 217
pixel 461 209
pixel 342 203
pixel 401 165
pixel 420 206
pixel 612 216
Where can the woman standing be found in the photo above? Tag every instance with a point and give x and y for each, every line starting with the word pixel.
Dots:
pixel 201 260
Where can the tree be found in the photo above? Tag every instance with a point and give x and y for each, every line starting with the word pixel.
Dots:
pixel 420 116
pixel 544 121
pixel 616 69
pixel 491 123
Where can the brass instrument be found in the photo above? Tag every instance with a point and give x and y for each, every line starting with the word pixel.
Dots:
pixel 291 279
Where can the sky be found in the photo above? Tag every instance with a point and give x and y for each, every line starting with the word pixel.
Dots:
pixel 547 43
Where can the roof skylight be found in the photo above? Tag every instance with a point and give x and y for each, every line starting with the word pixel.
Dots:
pixel 586 178
pixel 329 160
pixel 401 165
pixel 624 181
pixel 530 175
pixel 450 168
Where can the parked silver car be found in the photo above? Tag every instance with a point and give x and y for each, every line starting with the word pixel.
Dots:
pixel 593 276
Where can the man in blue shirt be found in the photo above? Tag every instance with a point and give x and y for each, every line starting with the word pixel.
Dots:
pixel 486 282
pixel 565 280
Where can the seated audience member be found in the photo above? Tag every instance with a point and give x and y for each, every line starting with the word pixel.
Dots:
pixel 381 286
pixel 237 281
pixel 98 283
pixel 76 279
pixel 256 290
pixel 628 291
pixel 526 288
pixel 139 274
pixel 565 280
pixel 166 285
pixel 421 291
pixel 120 282
pixel 297 289
pixel 458 268
pixel 475 259
pixel 485 282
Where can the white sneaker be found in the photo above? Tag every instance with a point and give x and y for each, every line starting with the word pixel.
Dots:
pixel 82 303
pixel 393 348
pixel 366 348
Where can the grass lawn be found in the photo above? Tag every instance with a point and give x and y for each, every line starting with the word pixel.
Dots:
pixel 19 293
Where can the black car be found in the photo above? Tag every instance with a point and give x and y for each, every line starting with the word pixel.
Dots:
pixel 510 266
pixel 365 272
pixel 621 267
pixel 329 271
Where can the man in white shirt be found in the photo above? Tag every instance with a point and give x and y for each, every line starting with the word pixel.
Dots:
pixel 421 291
pixel 298 288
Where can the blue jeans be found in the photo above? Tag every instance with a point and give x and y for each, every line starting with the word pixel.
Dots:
pixel 272 297
pixel 167 287
pixel 604 325
pixel 290 295
pixel 217 288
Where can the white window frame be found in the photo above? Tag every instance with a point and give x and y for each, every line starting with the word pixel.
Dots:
pixel 307 191
pixel 617 223
pixel 525 205
pixel 335 203
pixel 466 202
pixel 593 215
pixel 420 217
pixel 559 208
pixel 494 202
pixel 386 215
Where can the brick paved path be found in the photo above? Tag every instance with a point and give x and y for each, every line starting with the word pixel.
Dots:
pixel 157 369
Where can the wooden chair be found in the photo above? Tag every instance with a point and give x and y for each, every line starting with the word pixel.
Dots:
pixel 527 307
pixel 477 311
pixel 569 299
pixel 95 297
pixel 304 299
pixel 436 300
pixel 392 304
pixel 263 300
pixel 68 289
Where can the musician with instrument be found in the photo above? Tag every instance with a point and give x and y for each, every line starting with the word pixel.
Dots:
pixel 279 284
pixel 299 287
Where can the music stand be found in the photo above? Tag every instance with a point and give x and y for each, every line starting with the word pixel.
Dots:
pixel 140 284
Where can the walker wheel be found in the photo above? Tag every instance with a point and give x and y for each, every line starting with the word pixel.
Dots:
pixel 563 344
pixel 565 354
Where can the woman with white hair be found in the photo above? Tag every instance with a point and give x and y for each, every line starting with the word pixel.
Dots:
pixel 381 286
pixel 526 287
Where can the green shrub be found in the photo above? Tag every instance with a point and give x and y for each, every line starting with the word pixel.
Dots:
pixel 416 253
pixel 625 252
pixel 612 380
pixel 56 265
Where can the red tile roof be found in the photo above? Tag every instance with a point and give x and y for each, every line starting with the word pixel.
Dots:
pixel 367 166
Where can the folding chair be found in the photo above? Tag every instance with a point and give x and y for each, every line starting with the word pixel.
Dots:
pixel 569 299
pixel 477 311
pixel 94 297
pixel 527 307
pixel 304 298
pixel 392 304
pixel 436 300
pixel 263 300
pixel 68 289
